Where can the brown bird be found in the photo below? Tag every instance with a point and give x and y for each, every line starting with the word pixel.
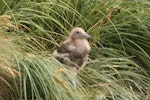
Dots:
pixel 74 51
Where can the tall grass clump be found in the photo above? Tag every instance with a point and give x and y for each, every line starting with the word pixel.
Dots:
pixel 9 74
pixel 118 67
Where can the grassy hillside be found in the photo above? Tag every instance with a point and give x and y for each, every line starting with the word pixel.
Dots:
pixel 119 63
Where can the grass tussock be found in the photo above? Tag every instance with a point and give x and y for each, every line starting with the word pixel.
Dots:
pixel 118 67
pixel 9 74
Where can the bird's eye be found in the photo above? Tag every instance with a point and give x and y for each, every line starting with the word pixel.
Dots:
pixel 78 32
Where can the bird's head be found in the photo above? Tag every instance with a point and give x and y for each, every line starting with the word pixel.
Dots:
pixel 79 33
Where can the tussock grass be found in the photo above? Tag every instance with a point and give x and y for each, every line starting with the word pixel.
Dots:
pixel 9 74
pixel 118 67
pixel 44 78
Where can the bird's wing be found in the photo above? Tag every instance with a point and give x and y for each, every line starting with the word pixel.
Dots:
pixel 76 58
pixel 71 50
pixel 63 48
pixel 67 54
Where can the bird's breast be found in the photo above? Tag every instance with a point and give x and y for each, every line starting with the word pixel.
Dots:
pixel 82 46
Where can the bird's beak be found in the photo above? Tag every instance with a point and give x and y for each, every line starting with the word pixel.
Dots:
pixel 88 36
pixel 85 36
